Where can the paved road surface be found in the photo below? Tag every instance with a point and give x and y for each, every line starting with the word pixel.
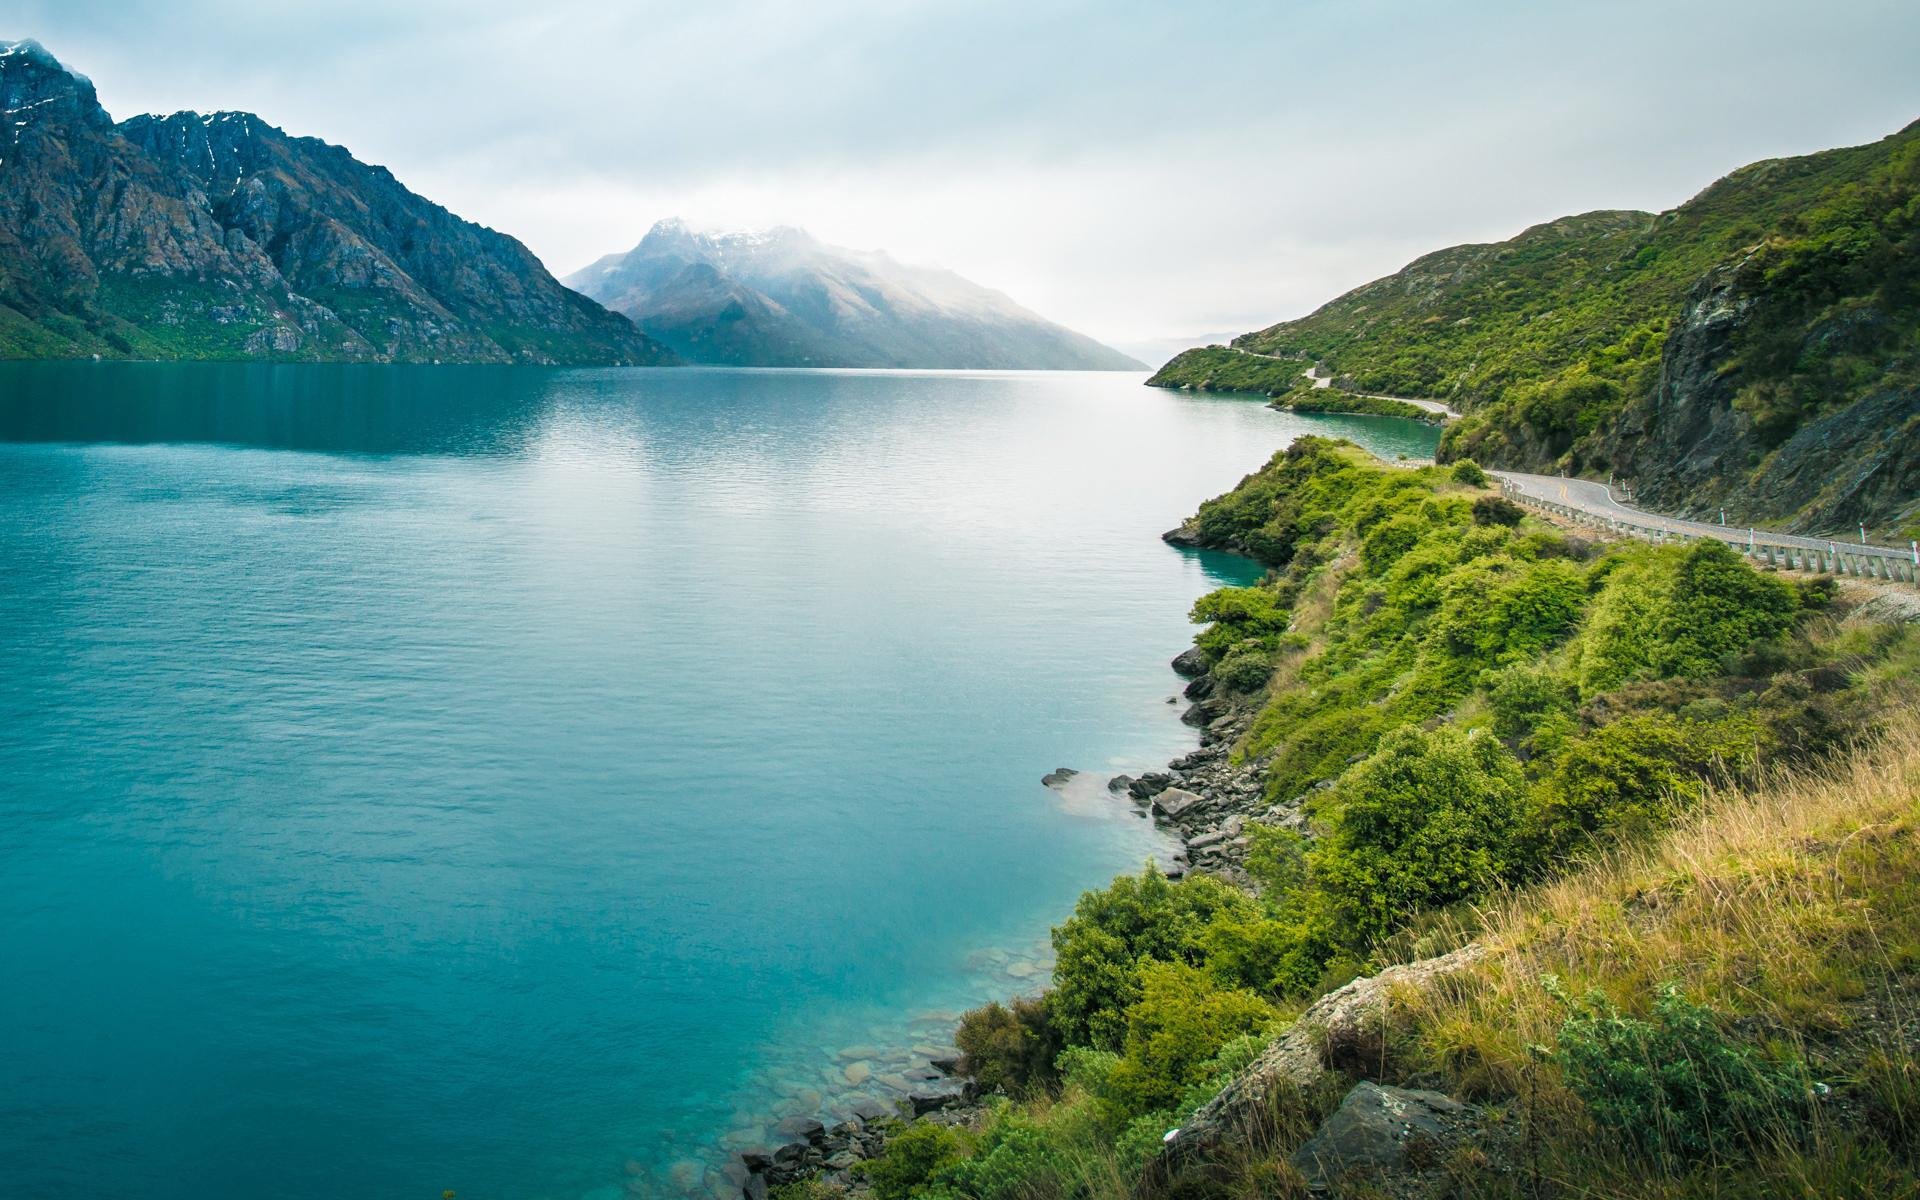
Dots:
pixel 1598 499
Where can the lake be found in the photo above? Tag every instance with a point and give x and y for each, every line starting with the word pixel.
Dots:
pixel 523 781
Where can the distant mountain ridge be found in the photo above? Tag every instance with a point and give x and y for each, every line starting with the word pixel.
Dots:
pixel 780 297
pixel 221 236
pixel 1756 348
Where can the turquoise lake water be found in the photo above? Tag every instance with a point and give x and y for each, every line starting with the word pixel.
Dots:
pixel 525 781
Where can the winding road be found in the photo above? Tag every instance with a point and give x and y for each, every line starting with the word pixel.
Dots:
pixel 1598 500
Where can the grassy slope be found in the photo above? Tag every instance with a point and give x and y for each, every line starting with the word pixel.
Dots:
pixel 1792 905
pixel 1565 697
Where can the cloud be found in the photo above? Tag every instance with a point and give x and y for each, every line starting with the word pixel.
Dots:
pixel 1138 170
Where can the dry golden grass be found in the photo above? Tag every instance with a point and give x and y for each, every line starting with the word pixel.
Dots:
pixel 1792 906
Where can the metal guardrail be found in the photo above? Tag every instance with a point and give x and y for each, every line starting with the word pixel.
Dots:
pixel 1837 558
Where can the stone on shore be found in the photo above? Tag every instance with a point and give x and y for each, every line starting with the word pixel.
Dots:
pixel 1190 662
pixel 801 1129
pixel 1058 776
pixel 1174 801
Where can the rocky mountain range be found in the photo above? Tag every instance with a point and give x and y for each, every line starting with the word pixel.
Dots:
pixel 221 236
pixel 783 298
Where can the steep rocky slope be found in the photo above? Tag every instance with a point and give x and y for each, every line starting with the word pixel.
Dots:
pixel 1753 349
pixel 782 298
pixel 220 236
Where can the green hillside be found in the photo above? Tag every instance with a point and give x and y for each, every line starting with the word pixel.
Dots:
pixel 1625 343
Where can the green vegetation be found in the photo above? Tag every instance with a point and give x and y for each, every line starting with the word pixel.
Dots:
pixel 1465 703
pixel 1675 1087
pixel 1547 340
pixel 1224 369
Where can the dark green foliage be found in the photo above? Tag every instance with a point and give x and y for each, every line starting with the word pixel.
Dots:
pixel 1238 616
pixel 1009 1047
pixel 1146 916
pixel 1426 821
pixel 1497 510
pixel 913 1158
pixel 1468 472
pixel 1181 1021
pixel 1632 775
pixel 1679 613
pixel 1676 1087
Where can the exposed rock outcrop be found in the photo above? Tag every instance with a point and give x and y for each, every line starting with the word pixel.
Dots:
pixel 1341 1030
pixel 1379 1130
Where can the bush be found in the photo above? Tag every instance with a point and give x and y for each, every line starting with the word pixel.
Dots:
pixel 912 1158
pixel 1426 820
pixel 1632 775
pixel 1238 617
pixel 1676 1087
pixel 1679 613
pixel 1523 698
pixel 1010 1047
pixel 1245 668
pixel 1098 949
pixel 1182 1020
pixel 1468 472
pixel 1015 1158
pixel 1497 510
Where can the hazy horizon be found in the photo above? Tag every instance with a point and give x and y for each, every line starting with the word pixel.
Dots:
pixel 1146 177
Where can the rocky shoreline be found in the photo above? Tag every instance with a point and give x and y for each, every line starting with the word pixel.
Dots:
pixel 1204 799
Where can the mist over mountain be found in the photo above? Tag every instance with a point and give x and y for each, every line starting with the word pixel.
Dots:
pixel 780 297
pixel 221 236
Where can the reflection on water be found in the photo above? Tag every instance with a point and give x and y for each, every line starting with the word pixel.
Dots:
pixel 489 778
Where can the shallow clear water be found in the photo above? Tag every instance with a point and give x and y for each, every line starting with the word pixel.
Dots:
pixel 513 780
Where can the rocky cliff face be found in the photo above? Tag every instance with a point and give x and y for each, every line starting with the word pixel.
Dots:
pixel 221 236
pixel 1696 445
pixel 780 297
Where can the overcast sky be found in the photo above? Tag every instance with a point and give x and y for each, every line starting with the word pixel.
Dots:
pixel 1137 171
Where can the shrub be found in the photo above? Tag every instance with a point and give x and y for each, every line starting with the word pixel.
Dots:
pixel 1180 1023
pixel 1676 1086
pixel 1680 613
pixel 1524 697
pixel 912 1158
pixel 1497 510
pixel 1468 472
pixel 1015 1158
pixel 1426 820
pixel 1245 668
pixel 1236 617
pixel 1009 1046
pixel 1631 775
pixel 1145 916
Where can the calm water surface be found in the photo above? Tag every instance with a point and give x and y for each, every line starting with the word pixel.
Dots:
pixel 521 781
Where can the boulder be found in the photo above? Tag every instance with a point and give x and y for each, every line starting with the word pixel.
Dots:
pixel 1150 785
pixel 1120 783
pixel 870 1111
pixel 1174 801
pixel 1339 1029
pixel 1190 662
pixel 1383 1129
pixel 756 1187
pixel 857 1073
pixel 801 1129
pixel 946 1064
pixel 757 1159
pixel 842 1160
pixel 1058 776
